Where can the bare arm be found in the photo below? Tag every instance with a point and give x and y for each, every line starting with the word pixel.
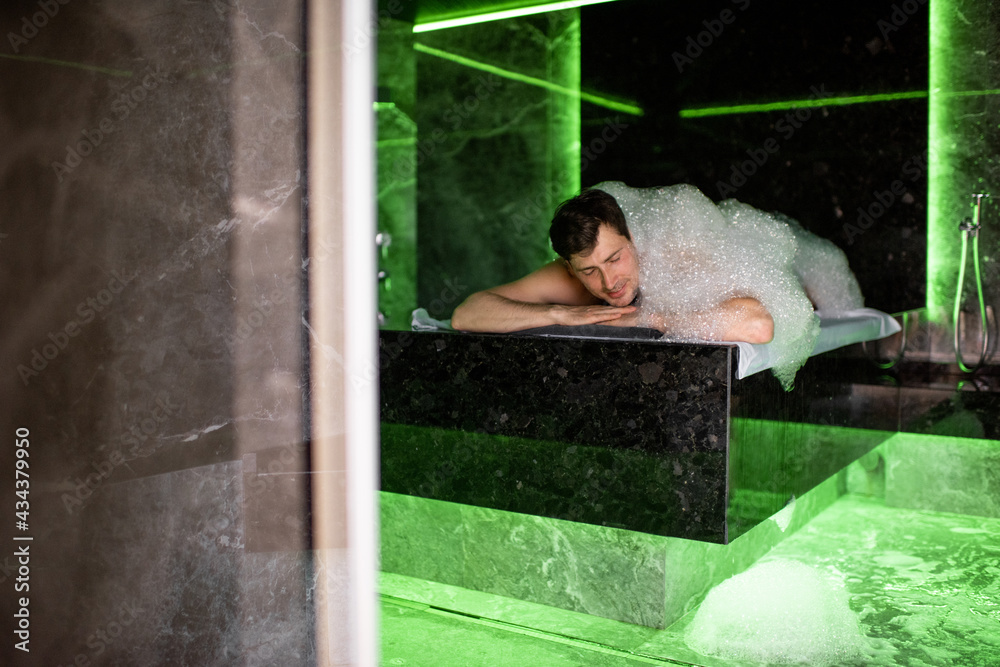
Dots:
pixel 746 319
pixel 741 319
pixel 542 298
pixel 738 319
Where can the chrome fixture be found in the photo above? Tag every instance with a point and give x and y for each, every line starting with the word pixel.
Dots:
pixel 969 227
pixel 382 242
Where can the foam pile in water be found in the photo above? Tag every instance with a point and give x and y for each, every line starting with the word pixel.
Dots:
pixel 694 255
pixel 778 612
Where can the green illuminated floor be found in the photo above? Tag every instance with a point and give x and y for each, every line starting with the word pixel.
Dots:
pixel 925 585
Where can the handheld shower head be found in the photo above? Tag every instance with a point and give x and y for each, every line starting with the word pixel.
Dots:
pixel 970 228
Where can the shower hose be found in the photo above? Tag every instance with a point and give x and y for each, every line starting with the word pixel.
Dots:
pixel 970 228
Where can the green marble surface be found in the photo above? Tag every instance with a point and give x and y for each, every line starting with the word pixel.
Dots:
pixel 605 572
pixel 946 474
pixel 497 152
pixel 562 622
pixel 925 586
pixel 397 215
pixel 422 538
pixel 420 637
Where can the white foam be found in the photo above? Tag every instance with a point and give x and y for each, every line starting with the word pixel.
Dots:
pixel 694 255
pixel 779 612
pixel 784 517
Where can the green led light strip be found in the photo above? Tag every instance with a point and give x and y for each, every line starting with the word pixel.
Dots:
pixel 525 630
pixel 801 104
pixel 66 63
pixel 939 166
pixel 504 14
pixel 605 102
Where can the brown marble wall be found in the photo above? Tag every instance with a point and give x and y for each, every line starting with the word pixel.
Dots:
pixel 150 287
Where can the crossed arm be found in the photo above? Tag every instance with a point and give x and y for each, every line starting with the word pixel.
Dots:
pixel 551 295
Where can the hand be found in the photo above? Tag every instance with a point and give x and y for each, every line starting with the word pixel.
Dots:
pixel 576 315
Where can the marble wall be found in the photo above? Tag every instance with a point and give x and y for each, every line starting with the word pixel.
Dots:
pixel 497 150
pixel 819 165
pixel 624 575
pixel 151 288
pixel 397 150
pixel 965 149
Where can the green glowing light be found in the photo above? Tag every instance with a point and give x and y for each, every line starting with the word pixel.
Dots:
pixel 801 104
pixel 504 14
pixel 66 63
pixel 599 100
pixel 564 145
pixel 939 167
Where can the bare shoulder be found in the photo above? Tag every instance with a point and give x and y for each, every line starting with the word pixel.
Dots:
pixel 552 283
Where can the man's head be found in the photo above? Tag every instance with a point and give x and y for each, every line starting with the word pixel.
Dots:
pixel 590 233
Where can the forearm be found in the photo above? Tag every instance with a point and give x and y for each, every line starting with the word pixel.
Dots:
pixel 486 311
pixel 491 312
pixel 745 319
pixel 738 319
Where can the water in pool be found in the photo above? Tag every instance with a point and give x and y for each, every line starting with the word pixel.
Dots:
pixel 923 588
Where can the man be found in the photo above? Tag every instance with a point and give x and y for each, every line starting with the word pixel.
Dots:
pixel 595 281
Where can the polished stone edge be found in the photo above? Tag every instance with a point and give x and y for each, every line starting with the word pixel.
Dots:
pixel 511 610
pixel 684 407
pixel 943 474
pixel 669 494
pixel 579 416
pixel 626 394
pixel 447 522
pixel 799 457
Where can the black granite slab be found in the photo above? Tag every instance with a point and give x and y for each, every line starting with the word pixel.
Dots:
pixel 644 435
pixel 629 395
pixel 629 434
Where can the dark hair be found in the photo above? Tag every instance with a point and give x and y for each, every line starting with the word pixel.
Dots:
pixel 578 220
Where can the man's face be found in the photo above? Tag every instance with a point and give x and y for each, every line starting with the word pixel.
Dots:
pixel 611 271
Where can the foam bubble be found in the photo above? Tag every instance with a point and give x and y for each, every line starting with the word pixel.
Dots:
pixel 784 517
pixel 694 255
pixel 779 612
